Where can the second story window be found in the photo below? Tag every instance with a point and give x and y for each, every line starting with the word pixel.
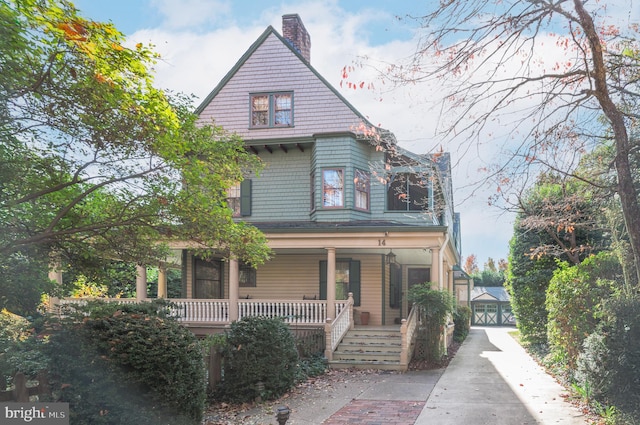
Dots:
pixel 233 199
pixel 333 188
pixel 239 198
pixel 272 110
pixel 361 184
pixel 407 192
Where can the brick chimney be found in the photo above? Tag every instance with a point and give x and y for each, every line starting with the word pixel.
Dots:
pixel 295 33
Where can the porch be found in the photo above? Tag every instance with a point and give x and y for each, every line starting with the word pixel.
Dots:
pixel 208 316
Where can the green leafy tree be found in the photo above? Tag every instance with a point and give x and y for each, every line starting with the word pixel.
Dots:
pixel 108 165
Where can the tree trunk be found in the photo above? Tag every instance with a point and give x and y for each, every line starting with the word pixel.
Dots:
pixel 626 189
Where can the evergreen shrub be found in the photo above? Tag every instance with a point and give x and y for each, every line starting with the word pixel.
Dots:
pixel 128 364
pixel 610 362
pixel 259 350
pixel 462 321
pixel 574 302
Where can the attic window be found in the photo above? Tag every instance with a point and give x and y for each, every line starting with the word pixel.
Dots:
pixel 272 110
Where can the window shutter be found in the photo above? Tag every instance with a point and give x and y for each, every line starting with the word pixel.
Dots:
pixel 395 282
pixel 245 197
pixel 354 281
pixel 323 279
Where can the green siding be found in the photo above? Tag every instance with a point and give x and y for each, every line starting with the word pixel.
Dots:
pixel 282 191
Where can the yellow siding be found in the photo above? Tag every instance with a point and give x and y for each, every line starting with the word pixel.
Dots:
pixel 290 277
pixel 287 277
pixel 371 287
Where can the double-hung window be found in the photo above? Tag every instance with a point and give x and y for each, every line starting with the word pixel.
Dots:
pixel 239 198
pixel 271 110
pixel 333 188
pixel 233 199
pixel 247 276
pixel 361 184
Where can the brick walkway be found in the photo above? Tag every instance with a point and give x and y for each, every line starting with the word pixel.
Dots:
pixel 377 412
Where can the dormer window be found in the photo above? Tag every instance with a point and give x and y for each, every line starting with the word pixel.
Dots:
pixel 272 110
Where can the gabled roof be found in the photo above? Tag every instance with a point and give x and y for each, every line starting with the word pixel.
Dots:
pixel 267 32
pixel 499 293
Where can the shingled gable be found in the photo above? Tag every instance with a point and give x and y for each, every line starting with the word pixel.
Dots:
pixel 342 117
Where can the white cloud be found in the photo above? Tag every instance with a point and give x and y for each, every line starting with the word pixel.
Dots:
pixel 192 13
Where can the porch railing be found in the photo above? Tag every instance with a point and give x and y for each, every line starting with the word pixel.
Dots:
pixel 293 312
pixel 201 311
pixel 335 330
pixel 216 311
pixel 408 333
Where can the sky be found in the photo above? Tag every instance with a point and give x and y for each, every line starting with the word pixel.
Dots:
pixel 201 40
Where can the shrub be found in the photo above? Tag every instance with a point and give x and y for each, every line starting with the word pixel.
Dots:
pixel 127 364
pixel 462 321
pixel 574 302
pixel 19 350
pixel 592 371
pixel 311 366
pixel 610 361
pixel 437 305
pixel 259 349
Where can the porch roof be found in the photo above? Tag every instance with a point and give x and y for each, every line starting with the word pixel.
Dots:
pixel 352 226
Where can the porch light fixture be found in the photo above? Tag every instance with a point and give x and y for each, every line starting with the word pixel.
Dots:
pixel 391 257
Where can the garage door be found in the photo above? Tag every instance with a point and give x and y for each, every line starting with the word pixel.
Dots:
pixel 485 314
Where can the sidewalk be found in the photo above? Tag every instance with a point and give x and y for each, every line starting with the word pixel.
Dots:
pixel 491 380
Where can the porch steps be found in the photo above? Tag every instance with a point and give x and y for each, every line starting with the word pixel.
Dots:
pixel 368 347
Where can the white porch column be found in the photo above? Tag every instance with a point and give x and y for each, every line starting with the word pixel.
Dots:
pixel 55 275
pixel 436 267
pixel 234 285
pixel 141 283
pixel 162 280
pixel 331 283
